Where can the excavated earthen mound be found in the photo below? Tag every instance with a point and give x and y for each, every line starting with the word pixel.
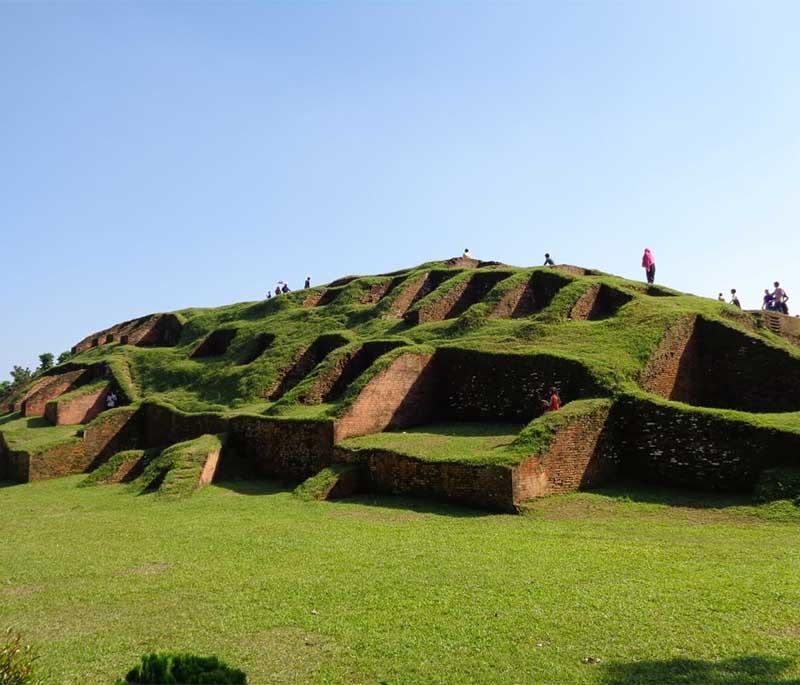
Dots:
pixel 430 381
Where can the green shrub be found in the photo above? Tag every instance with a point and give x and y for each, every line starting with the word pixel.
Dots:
pixel 16 661
pixel 779 483
pixel 166 668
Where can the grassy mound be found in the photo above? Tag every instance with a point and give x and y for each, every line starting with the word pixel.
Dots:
pixel 175 472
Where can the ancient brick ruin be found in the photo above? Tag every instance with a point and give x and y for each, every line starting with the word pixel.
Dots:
pixel 663 426
pixel 151 330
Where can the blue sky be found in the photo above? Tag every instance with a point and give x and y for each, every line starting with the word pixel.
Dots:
pixel 165 155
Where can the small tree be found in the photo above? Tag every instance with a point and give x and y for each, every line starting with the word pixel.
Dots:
pixel 45 361
pixel 5 389
pixel 64 357
pixel 20 376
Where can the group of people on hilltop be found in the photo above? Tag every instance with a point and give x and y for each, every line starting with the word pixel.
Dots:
pixel 283 287
pixel 774 301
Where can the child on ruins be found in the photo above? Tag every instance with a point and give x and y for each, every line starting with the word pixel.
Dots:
pixel 554 403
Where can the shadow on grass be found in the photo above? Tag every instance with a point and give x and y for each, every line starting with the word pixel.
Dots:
pixel 412 504
pixel 7 418
pixel 748 670
pixel 419 505
pixel 256 487
pixel 8 484
pixel 464 429
pixel 694 499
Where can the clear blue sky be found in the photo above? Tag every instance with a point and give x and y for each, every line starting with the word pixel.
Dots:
pixel 164 155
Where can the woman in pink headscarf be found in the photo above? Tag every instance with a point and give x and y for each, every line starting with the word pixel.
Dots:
pixel 649 265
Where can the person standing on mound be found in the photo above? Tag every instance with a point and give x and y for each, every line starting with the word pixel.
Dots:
pixel 649 265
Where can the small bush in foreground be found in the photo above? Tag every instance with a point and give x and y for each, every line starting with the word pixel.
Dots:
pixel 16 661
pixel 166 668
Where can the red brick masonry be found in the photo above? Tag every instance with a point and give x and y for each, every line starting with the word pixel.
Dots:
pixel 573 460
pixel 397 397
pixel 80 409
pixel 56 386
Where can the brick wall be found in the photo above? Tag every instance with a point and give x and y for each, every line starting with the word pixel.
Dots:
pixel 478 386
pixel 489 487
pixel 414 290
pixel 305 361
pixel 530 297
pixel 598 302
pixel 112 432
pixel 707 363
pixel 13 465
pixel 62 460
pixel 672 371
pixel 312 300
pixel 209 468
pixel 349 366
pixel 678 446
pixel 407 296
pixel 400 396
pixel 575 459
pixel 81 409
pixel 36 402
pixel 150 330
pixel 377 292
pixel 738 371
pixel 255 348
pixel 786 326
pixel 14 401
pixel 164 426
pixel 459 298
pixel 215 344
pixel 129 469
pixel 281 448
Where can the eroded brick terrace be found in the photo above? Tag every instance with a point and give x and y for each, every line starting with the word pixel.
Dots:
pixel 665 431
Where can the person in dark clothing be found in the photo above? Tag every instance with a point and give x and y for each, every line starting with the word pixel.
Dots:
pixel 547 260
pixel 277 290
pixel 285 288
pixel 768 301
pixel 735 300
pixel 308 282
pixel 269 294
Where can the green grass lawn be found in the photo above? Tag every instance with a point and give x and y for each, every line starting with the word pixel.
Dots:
pixel 34 433
pixel 399 591
pixel 445 441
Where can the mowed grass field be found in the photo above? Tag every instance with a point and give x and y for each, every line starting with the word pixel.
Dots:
pixel 647 588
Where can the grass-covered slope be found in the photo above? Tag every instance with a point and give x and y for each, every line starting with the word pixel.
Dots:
pixel 243 369
pixel 615 349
